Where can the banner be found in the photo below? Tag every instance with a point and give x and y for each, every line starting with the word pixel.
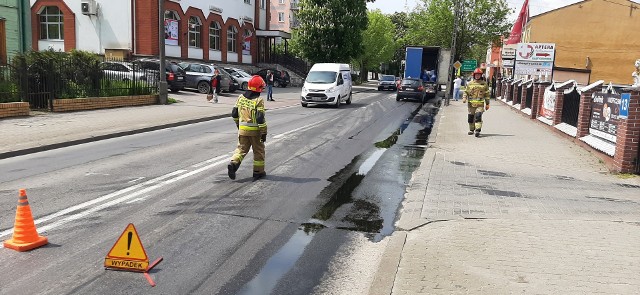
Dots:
pixel 518 26
pixel 548 107
pixel 246 44
pixel 170 32
pixel 605 111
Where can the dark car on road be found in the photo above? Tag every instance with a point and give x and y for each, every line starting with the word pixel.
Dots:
pixel 175 75
pixel 411 88
pixel 280 78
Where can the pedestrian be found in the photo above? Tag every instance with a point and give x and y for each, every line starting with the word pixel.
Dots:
pixel 270 86
pixel 249 115
pixel 457 84
pixel 477 95
pixel 215 88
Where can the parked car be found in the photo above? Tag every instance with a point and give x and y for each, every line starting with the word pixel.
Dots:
pixel 123 71
pixel 175 75
pixel 199 77
pixel 280 78
pixel 411 88
pixel 240 76
pixel 387 82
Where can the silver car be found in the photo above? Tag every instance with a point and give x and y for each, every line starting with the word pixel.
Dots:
pixel 122 71
pixel 199 77
pixel 241 77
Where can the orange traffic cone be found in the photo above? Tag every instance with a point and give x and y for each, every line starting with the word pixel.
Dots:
pixel 25 237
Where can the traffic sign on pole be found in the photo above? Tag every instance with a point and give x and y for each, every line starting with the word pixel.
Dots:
pixel 469 65
pixel 457 65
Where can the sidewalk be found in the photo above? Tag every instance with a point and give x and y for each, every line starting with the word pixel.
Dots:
pixel 518 210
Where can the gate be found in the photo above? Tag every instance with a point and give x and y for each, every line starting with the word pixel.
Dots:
pixel 529 99
pixel 571 107
pixel 17 83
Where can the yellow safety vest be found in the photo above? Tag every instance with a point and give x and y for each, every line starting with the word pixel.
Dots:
pixel 477 93
pixel 248 111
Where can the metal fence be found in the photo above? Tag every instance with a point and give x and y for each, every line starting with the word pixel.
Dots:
pixel 518 94
pixel 571 107
pixel 40 81
pixel 528 102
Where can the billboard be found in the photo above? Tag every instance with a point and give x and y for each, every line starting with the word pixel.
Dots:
pixel 170 32
pixel 535 58
pixel 605 112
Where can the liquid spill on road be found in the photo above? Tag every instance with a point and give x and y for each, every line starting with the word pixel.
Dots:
pixel 279 264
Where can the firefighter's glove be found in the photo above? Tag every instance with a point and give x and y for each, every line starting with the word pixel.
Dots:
pixel 263 138
pixel 486 107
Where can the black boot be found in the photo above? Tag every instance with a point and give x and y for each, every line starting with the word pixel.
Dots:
pixel 231 170
pixel 258 175
pixel 470 132
pixel 477 132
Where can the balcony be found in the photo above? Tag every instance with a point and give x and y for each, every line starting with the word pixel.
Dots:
pixel 294 5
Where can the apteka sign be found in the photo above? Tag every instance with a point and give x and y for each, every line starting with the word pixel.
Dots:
pixel 544 52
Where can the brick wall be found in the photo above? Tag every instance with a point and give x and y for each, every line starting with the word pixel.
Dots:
pixel 557 118
pixel 523 97
pixel 14 109
pixel 628 138
pixel 584 113
pixel 78 104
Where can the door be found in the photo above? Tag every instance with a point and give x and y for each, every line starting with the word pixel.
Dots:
pixel 192 72
pixel 3 42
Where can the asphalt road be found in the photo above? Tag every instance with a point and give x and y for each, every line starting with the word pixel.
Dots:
pixel 328 187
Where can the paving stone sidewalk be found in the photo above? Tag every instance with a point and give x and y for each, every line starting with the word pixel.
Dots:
pixel 520 210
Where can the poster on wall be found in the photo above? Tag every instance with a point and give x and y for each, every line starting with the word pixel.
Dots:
pixel 170 32
pixel 246 44
pixel 605 111
pixel 548 107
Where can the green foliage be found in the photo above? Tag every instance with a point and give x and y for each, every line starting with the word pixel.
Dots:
pixel 378 42
pixel 331 30
pixel 481 23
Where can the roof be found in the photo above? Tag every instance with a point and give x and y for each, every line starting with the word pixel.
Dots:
pixel 580 2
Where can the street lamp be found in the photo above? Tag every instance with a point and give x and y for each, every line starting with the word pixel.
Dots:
pixel 162 86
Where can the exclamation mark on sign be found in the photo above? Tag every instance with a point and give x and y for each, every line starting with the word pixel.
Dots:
pixel 130 235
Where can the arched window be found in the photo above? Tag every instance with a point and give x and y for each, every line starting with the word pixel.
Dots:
pixel 51 23
pixel 194 32
pixel 214 36
pixel 231 39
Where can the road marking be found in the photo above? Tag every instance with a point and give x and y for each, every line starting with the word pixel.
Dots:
pixel 208 161
pixel 138 199
pixel 300 129
pixel 135 180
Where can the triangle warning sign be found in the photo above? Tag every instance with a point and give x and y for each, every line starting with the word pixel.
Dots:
pixel 127 251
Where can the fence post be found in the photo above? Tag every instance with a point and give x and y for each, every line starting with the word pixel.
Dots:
pixel 514 91
pixel 557 118
pixel 628 137
pixel 584 112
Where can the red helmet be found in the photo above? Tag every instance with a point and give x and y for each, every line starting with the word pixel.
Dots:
pixel 256 84
pixel 478 71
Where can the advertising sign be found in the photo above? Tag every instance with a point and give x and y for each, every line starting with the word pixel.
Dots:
pixel 548 107
pixel 246 44
pixel 509 51
pixel 170 32
pixel 542 52
pixel 533 67
pixel 605 111
pixel 508 63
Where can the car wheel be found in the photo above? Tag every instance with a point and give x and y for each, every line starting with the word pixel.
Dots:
pixel 304 104
pixel 175 90
pixel 349 100
pixel 203 87
pixel 337 105
pixel 245 86
pixel 276 83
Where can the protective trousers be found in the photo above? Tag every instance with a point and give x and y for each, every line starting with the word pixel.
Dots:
pixel 244 144
pixel 475 118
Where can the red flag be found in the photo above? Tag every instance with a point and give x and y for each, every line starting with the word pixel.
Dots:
pixel 518 26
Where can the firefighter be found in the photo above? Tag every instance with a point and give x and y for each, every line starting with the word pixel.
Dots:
pixel 249 115
pixel 477 94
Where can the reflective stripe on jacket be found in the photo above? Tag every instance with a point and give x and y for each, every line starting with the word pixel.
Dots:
pixel 477 93
pixel 251 119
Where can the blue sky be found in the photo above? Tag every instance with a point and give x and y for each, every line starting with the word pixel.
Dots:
pixel 535 6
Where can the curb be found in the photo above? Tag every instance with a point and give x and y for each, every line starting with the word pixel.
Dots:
pixel 385 277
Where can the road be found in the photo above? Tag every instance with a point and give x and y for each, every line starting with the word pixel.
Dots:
pixel 335 181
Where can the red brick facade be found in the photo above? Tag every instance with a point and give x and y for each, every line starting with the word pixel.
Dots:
pixel 69 23
pixel 628 138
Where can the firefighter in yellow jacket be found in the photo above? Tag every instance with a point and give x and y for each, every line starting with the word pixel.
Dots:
pixel 249 115
pixel 477 95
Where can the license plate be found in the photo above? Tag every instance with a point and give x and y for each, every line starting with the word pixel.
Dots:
pixel 410 89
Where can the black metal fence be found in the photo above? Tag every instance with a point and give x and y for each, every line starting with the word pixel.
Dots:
pixel 298 66
pixel 518 94
pixel 571 107
pixel 528 102
pixel 39 79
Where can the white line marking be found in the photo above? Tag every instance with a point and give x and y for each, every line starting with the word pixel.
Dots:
pixel 135 180
pixel 138 199
pixel 299 129
pixel 208 161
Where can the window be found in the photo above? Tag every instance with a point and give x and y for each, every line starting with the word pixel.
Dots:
pixel 51 24
pixel 194 32
pixel 247 1
pixel 281 17
pixel 231 39
pixel 281 2
pixel 214 36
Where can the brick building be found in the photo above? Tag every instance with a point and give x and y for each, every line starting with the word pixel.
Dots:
pixel 216 30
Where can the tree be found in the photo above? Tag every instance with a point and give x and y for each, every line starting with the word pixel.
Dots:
pixel 481 23
pixel 331 30
pixel 378 43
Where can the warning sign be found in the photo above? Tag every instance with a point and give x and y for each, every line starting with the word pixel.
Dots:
pixel 128 252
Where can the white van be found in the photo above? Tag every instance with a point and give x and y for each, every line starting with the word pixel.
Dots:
pixel 327 84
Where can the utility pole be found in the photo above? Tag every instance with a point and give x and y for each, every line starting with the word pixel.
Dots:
pixel 454 38
pixel 162 85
